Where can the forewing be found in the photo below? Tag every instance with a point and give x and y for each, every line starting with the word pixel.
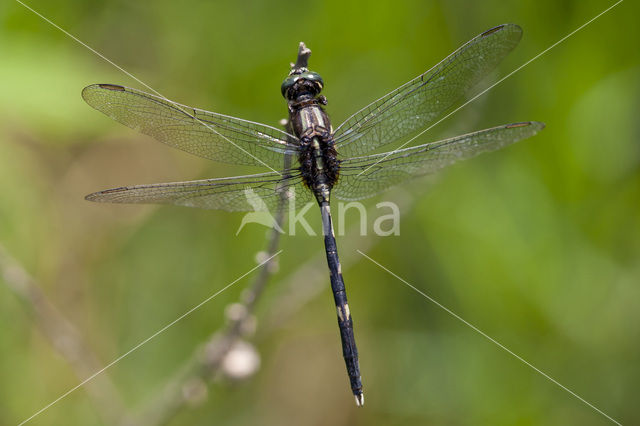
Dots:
pixel 206 134
pixel 241 193
pixel 363 177
pixel 415 105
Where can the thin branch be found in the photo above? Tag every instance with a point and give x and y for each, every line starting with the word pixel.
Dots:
pixel 64 338
pixel 207 359
pixel 303 58
pixel 304 284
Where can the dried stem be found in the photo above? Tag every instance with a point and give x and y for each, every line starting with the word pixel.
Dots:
pixel 64 338
pixel 304 284
pixel 207 359
pixel 303 57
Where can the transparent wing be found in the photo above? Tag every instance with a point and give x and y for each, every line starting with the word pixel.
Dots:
pixel 206 134
pixel 363 177
pixel 241 193
pixel 419 102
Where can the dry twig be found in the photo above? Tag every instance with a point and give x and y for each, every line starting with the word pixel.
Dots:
pixel 64 338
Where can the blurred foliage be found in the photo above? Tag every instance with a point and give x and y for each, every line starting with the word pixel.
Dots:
pixel 537 245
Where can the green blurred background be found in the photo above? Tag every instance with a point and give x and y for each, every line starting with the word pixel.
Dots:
pixel 537 245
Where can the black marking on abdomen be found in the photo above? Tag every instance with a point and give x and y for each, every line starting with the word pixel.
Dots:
pixel 345 322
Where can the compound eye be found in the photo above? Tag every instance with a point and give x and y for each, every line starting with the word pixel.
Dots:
pixel 314 78
pixel 288 83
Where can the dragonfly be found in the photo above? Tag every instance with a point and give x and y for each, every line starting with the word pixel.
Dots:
pixel 310 159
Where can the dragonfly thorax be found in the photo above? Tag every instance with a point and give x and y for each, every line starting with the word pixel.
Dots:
pixel 319 166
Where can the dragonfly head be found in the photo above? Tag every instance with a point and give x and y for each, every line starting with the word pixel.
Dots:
pixel 301 83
